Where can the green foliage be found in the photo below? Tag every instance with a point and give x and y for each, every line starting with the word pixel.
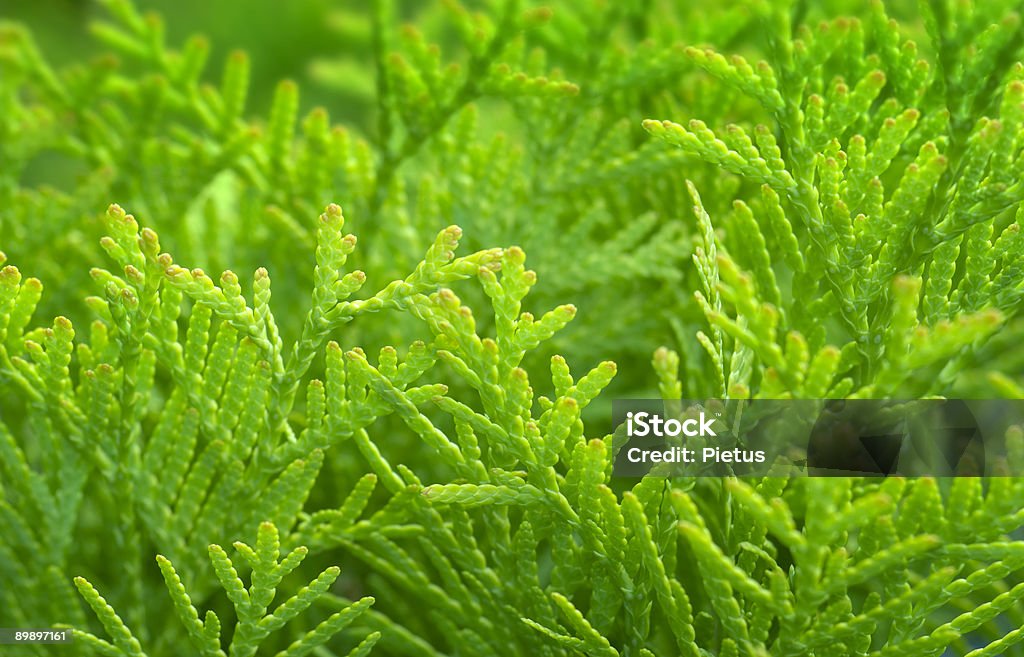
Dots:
pixel 399 406
pixel 889 199
pixel 254 624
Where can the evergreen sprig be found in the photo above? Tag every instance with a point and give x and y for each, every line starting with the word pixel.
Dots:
pixel 888 201
pixel 400 403
pixel 251 605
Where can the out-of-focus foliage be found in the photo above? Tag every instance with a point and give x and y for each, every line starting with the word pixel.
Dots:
pixel 852 213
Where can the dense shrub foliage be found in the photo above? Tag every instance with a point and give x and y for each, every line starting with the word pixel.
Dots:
pixel 726 200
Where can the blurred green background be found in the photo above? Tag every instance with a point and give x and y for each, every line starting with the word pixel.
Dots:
pixel 283 39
